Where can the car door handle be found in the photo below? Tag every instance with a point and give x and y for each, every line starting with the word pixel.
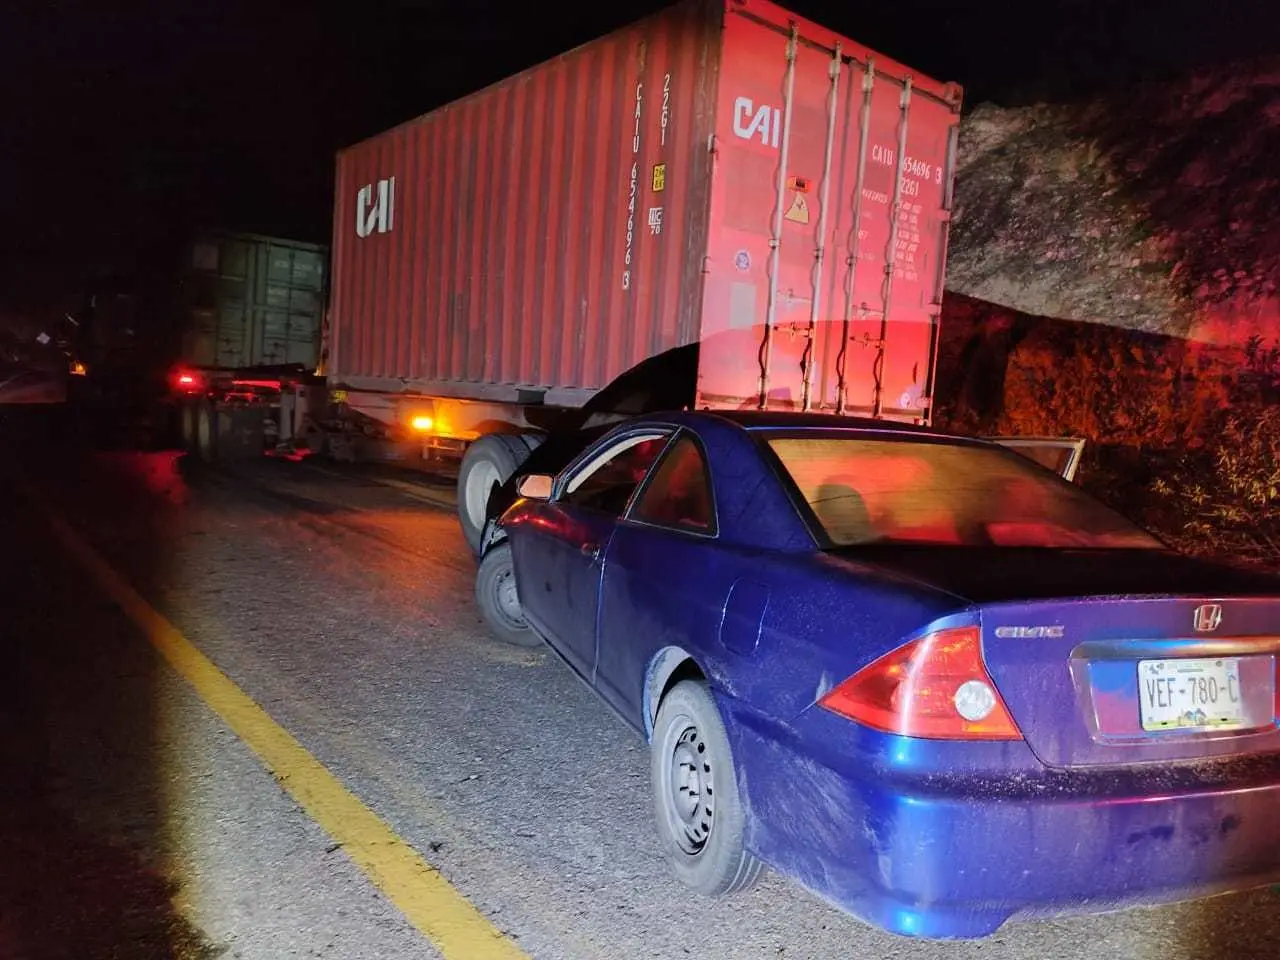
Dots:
pixel 591 551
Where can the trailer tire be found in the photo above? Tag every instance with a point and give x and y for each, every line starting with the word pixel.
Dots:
pixel 488 462
pixel 206 438
pixel 187 420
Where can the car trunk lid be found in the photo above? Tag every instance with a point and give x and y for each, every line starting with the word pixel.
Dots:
pixel 1118 680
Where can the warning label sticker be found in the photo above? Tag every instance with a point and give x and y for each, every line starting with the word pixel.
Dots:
pixel 798 212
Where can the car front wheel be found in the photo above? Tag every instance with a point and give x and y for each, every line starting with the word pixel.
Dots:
pixel 498 600
pixel 700 818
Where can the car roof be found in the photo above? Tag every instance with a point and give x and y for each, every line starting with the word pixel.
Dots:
pixel 792 419
pixel 786 420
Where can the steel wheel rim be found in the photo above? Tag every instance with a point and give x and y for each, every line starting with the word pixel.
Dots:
pixel 480 483
pixel 688 788
pixel 507 598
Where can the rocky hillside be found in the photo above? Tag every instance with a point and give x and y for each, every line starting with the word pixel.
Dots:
pixel 1153 209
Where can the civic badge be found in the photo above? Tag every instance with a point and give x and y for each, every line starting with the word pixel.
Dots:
pixel 1208 617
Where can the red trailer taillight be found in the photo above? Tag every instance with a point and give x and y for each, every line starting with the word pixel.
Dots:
pixel 188 381
pixel 936 687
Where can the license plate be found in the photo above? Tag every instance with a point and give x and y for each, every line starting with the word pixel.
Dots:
pixel 1190 694
pixel 338 396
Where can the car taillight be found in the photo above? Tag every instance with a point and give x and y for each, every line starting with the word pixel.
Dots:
pixel 936 687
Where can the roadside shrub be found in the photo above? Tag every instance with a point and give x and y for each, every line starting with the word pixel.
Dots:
pixel 1224 498
pixel 1182 436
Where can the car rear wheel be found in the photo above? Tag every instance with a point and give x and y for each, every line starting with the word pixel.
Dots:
pixel 695 790
pixel 498 601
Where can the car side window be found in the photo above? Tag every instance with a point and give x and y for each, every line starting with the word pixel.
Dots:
pixel 679 495
pixel 605 484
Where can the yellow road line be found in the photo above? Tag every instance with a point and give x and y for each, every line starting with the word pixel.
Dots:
pixel 429 902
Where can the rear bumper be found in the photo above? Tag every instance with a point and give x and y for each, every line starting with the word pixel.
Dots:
pixel 913 856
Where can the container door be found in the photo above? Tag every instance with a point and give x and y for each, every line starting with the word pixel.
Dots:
pixel 287 305
pixel 234 331
pixel 830 204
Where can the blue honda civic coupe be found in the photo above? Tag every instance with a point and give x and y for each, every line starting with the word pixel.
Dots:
pixel 922 675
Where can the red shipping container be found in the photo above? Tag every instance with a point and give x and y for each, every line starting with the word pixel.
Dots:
pixel 726 173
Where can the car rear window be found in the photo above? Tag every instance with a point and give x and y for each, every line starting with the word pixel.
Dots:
pixel 864 490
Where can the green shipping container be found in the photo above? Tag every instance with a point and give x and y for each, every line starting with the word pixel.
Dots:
pixel 253 301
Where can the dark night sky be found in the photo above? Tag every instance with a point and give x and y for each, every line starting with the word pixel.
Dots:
pixel 120 120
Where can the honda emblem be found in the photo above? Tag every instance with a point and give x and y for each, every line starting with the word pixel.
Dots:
pixel 1208 616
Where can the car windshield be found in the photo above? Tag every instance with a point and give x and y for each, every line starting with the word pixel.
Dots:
pixel 865 490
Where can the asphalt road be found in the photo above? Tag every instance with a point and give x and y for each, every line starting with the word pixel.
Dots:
pixel 138 822
pixel 20 385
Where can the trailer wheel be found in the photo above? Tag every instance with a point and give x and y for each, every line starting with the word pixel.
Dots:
pixel 488 463
pixel 206 424
pixel 187 422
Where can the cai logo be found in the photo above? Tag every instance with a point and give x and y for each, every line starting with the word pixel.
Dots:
pixel 762 122
pixel 375 207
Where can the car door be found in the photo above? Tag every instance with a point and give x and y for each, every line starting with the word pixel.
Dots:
pixel 664 582
pixel 1059 454
pixel 559 551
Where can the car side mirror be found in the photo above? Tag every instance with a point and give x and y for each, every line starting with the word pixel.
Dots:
pixel 536 486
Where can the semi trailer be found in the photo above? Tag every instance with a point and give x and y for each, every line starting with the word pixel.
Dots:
pixel 248 316
pixel 727 185
pixel 210 315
